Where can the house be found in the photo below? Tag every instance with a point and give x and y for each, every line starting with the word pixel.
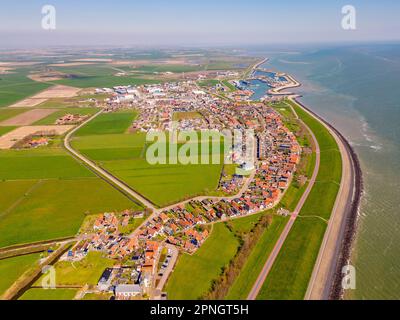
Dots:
pixel 105 280
pixel 127 291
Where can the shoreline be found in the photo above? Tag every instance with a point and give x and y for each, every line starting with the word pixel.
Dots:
pixel 348 226
pixel 345 235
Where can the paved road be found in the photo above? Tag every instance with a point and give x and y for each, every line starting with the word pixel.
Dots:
pixel 272 257
pixel 174 256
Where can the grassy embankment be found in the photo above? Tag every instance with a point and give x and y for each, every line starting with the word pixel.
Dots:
pixel 293 267
pixel 12 268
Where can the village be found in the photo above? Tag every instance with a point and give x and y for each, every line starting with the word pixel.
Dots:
pixel 146 256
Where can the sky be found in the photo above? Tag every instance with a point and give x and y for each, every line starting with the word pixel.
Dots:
pixel 190 22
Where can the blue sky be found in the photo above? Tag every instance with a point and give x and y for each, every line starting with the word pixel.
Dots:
pixel 196 22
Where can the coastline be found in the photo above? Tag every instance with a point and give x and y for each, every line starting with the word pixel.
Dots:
pixel 339 236
pixel 345 230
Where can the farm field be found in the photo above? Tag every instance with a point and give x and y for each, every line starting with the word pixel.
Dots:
pixel 82 100
pixel 175 68
pixel 48 294
pixel 124 155
pixel 4 130
pixel 17 86
pixel 12 268
pixel 45 194
pixel 98 75
pixel 28 117
pixel 56 208
pixel 40 164
pixel 207 262
pixel 166 184
pixel 51 119
pixel 108 123
pixel 289 276
pixel 7 113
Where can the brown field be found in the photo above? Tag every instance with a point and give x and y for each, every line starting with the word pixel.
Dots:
pixel 17 64
pixel 146 62
pixel 28 117
pixel 70 64
pixel 28 102
pixel 46 77
pixel 93 60
pixel 58 91
pixel 10 138
pixel 8 67
pixel 5 70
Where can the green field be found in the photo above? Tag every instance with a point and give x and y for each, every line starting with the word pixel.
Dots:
pixel 51 119
pixel 7 113
pixel 56 208
pixel 4 130
pixel 193 274
pixel 97 296
pixel 244 224
pixel 108 123
pixel 86 271
pixel 12 268
pixel 166 184
pixel 40 164
pixel 290 274
pixel 17 86
pixel 177 116
pixel 45 194
pixel 124 155
pixel 175 68
pixel 99 75
pixel 48 294
pixel 11 192
pixel 208 83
